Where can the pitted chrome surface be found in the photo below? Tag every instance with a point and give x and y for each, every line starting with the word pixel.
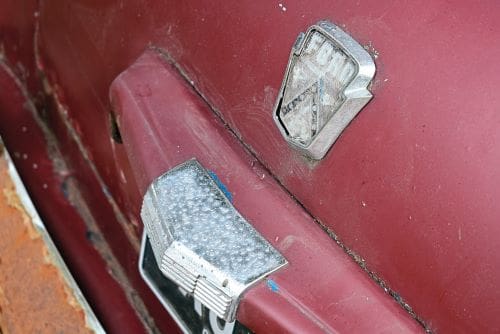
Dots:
pixel 201 242
pixel 200 216
pixel 314 87
pixel 326 84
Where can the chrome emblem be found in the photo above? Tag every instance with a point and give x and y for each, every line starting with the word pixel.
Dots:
pixel 325 86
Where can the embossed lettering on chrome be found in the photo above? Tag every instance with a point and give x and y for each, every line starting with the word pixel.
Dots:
pixel 325 86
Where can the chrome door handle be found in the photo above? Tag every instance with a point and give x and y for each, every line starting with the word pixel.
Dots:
pixel 201 242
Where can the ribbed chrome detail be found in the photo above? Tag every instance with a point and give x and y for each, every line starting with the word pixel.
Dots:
pixel 178 274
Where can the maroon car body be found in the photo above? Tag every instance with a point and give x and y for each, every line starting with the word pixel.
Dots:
pixel 401 212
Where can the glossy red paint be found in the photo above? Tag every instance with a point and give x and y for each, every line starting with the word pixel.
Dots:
pixel 410 185
pixel 164 123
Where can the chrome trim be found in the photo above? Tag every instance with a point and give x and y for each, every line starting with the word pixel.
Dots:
pixel 144 270
pixel 356 94
pixel 201 242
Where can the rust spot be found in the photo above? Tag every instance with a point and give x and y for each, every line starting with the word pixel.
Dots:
pixel 34 297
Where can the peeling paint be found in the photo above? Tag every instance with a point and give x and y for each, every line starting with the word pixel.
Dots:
pixel 273 285
pixel 221 186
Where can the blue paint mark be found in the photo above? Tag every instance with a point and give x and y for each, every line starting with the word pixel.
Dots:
pixel 221 186
pixel 273 285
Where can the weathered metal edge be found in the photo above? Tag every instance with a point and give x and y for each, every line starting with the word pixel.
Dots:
pixel 90 319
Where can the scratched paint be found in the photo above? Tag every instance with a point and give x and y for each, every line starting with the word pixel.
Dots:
pixel 273 285
pixel 221 186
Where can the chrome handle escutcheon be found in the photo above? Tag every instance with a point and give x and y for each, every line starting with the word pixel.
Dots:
pixel 201 242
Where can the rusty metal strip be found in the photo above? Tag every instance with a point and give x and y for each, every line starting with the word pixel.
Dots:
pixel 75 198
pixel 37 291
